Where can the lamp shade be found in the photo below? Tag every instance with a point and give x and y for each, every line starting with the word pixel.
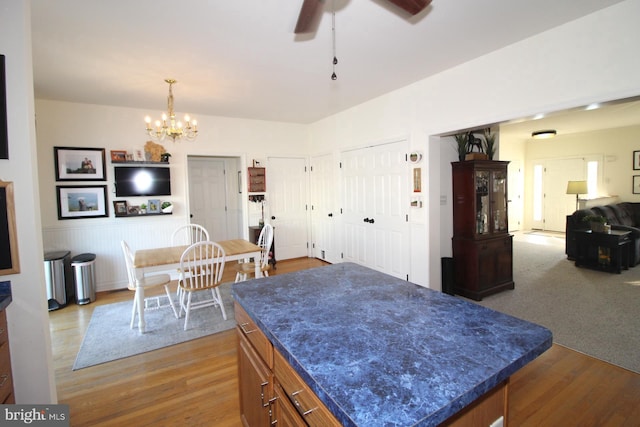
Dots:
pixel 577 187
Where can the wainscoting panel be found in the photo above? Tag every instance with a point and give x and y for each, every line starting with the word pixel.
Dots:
pixel 104 239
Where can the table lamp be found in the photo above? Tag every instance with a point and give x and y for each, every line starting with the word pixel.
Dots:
pixel 577 188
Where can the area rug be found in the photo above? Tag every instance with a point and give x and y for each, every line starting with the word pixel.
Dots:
pixel 109 336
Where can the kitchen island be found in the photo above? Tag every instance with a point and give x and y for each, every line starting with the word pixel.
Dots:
pixel 374 349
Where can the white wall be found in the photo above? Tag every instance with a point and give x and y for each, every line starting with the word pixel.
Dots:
pixel 31 359
pixel 115 128
pixel 592 59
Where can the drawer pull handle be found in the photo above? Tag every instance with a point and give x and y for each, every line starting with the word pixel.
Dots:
pixel 297 404
pixel 5 378
pixel 242 326
pixel 264 405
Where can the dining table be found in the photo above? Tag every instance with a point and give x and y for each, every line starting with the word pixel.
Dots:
pixel 168 258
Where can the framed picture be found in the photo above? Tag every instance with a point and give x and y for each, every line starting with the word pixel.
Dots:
pixel 138 154
pixel 153 206
pixel 88 201
pixel 133 210
pixel 4 134
pixel 636 160
pixel 79 164
pixel 636 184
pixel 118 156
pixel 9 262
pixel 120 208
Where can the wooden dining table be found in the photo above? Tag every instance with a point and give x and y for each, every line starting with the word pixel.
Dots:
pixel 167 258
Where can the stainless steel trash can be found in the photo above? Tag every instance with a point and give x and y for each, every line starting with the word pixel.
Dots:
pixel 84 275
pixel 57 276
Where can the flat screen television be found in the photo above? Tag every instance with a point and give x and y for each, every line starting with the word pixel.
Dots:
pixel 142 181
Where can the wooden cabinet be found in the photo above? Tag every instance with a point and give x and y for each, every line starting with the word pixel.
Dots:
pixel 257 180
pixel 482 246
pixel 6 379
pixel 271 392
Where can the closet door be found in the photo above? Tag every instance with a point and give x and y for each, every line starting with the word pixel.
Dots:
pixel 375 203
pixel 287 205
pixel 324 214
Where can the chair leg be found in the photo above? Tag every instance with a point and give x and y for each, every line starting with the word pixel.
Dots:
pixel 219 298
pixel 173 307
pixel 133 311
pixel 188 309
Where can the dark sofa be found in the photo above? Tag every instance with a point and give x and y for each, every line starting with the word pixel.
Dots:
pixel 621 216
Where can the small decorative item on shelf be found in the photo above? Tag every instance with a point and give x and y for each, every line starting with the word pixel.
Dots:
pixel 143 208
pixel 164 157
pixel 596 222
pixel 489 143
pixel 167 207
pixel 153 206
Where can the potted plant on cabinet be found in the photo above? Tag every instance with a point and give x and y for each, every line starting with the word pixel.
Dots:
pixel 596 222
pixel 489 143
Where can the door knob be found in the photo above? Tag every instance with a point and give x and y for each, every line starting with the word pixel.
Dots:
pixel 273 217
pixel 330 215
pixel 366 220
pixel 371 221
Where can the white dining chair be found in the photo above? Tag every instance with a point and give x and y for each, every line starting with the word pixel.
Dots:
pixel 148 282
pixel 189 234
pixel 245 269
pixel 202 265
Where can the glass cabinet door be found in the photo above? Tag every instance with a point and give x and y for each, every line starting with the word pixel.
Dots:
pixel 483 210
pixel 499 201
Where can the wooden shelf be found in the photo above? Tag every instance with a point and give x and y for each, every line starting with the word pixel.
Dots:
pixel 140 162
pixel 257 180
pixel 143 214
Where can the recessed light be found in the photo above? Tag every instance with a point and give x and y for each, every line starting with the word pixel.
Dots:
pixel 544 134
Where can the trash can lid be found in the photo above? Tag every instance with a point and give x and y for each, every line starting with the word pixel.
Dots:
pixel 53 255
pixel 83 258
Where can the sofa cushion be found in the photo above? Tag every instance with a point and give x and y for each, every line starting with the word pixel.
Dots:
pixel 624 214
pixel 608 212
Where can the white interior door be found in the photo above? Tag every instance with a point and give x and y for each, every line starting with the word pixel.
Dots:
pixel 324 217
pixel 212 203
pixel 375 202
pixel 287 204
pixel 515 205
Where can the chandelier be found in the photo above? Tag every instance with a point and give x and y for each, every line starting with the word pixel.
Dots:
pixel 168 126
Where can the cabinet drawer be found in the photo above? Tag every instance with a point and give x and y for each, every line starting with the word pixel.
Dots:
pixel 6 382
pixel 250 330
pixel 303 398
pixel 4 336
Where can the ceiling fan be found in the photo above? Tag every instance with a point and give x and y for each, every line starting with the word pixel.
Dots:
pixel 311 8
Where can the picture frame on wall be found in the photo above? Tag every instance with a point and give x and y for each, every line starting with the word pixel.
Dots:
pixel 636 160
pixel 636 184
pixel 4 133
pixel 118 156
pixel 79 164
pixel 9 262
pixel 84 201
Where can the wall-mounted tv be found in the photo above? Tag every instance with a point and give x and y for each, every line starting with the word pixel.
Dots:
pixel 142 181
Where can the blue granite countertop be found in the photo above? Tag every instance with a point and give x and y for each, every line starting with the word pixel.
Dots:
pixel 380 351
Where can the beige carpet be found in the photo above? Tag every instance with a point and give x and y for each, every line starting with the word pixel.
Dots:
pixel 594 312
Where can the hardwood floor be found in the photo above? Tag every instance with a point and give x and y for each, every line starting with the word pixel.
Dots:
pixel 196 383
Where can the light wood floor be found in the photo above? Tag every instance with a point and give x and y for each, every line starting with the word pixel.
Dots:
pixel 196 383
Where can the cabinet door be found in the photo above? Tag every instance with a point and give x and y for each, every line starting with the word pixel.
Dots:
pixel 284 414
pixel 483 209
pixel 499 220
pixel 256 385
pixel 494 262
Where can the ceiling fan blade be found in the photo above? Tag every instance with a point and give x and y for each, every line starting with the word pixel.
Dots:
pixel 412 6
pixel 309 10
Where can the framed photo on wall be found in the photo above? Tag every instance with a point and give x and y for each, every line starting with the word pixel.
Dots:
pixel 9 262
pixel 120 207
pixel 153 206
pixel 636 184
pixel 88 201
pixel 79 164
pixel 636 160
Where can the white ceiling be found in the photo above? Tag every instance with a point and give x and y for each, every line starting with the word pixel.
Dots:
pixel 240 58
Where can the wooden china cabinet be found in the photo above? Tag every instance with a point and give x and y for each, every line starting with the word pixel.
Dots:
pixel 482 245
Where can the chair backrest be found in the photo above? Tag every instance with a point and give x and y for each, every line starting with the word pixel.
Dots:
pixel 264 241
pixel 128 260
pixel 189 234
pixel 202 264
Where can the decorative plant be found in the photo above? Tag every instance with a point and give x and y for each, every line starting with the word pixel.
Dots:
pixel 143 206
pixel 489 143
pixel 595 218
pixel 165 205
pixel 164 157
pixel 462 140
